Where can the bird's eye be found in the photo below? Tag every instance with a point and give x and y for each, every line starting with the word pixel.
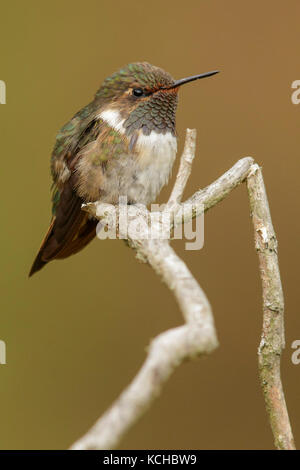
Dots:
pixel 137 92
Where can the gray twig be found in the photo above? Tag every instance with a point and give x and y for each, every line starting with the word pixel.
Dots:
pixel 272 338
pixel 198 336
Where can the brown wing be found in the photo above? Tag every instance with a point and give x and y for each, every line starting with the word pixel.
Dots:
pixel 70 231
pixel 81 152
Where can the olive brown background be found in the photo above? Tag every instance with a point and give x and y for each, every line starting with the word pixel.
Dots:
pixel 76 333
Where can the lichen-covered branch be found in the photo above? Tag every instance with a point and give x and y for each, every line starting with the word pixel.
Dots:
pixel 219 189
pixel 169 349
pixel 198 336
pixel 185 168
pixel 272 338
pixel 166 351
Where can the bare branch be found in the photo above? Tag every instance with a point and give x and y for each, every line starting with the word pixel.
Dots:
pixel 272 339
pixel 198 335
pixel 170 348
pixel 218 190
pixel 166 352
pixel 185 167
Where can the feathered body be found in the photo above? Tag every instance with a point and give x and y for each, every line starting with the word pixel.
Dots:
pixel 118 145
pixel 121 144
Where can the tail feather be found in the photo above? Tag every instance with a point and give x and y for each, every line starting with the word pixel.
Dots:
pixel 37 265
pixel 51 249
pixel 70 231
pixel 39 262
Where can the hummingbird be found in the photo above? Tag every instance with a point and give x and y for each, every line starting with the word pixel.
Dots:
pixel 123 143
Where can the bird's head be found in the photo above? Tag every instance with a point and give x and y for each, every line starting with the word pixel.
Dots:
pixel 142 97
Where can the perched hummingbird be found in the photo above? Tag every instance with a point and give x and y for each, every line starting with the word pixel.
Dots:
pixel 121 144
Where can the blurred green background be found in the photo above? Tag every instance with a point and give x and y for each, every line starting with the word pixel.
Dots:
pixel 76 332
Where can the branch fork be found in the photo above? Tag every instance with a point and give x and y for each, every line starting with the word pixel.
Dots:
pixel 197 336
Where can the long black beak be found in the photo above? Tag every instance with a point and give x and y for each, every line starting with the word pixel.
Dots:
pixel 190 79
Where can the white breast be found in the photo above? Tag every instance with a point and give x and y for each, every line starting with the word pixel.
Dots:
pixel 151 166
pixel 156 155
